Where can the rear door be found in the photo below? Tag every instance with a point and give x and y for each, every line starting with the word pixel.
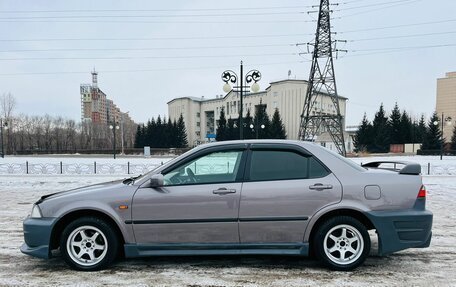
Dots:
pixel 284 187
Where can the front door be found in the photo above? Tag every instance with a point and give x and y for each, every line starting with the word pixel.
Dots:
pixel 199 202
pixel 283 189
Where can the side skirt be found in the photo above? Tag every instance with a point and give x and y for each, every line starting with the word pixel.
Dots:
pixel 182 249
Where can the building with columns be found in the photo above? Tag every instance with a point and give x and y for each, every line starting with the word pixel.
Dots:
pixel 201 114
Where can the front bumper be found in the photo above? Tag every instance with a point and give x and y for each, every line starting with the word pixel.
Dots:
pixel 399 230
pixel 37 236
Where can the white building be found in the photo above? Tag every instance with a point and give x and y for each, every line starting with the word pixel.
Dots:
pixel 201 115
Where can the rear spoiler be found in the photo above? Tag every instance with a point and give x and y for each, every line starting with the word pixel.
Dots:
pixel 405 167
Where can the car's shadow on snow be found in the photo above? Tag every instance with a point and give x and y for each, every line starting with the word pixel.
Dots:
pixel 265 263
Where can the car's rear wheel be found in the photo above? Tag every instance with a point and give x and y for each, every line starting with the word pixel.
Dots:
pixel 342 243
pixel 89 244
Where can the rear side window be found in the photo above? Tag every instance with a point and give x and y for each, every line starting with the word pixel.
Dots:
pixel 316 169
pixel 282 165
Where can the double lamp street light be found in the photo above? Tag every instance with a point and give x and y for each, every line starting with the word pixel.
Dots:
pixel 231 77
pixel 114 126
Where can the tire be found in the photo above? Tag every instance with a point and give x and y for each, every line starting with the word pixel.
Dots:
pixel 341 243
pixel 89 244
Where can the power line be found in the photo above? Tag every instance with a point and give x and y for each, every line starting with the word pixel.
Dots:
pixel 223 37
pixel 403 48
pixel 148 16
pixel 144 57
pixel 398 26
pixel 154 10
pixel 388 49
pixel 373 5
pixel 403 36
pixel 148 48
pixel 213 47
pixel 154 38
pixel 143 70
pixel 352 1
pixel 159 22
pixel 394 50
pixel 377 9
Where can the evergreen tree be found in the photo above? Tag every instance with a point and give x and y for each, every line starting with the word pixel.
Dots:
pixel 139 137
pixel 158 133
pixel 453 140
pixel 162 133
pixel 248 121
pixel 261 122
pixel 181 132
pixel 221 133
pixel 433 137
pixel 143 136
pixel 277 130
pixel 380 131
pixel 406 128
pixel 149 133
pixel 232 130
pixel 414 132
pixel 394 123
pixel 421 130
pixel 175 136
pixel 168 133
pixel 363 137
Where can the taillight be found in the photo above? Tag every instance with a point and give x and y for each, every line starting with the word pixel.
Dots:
pixel 422 192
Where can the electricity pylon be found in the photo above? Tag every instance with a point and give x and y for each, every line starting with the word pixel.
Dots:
pixel 322 81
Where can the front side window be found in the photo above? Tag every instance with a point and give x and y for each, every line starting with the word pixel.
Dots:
pixel 211 168
pixel 283 165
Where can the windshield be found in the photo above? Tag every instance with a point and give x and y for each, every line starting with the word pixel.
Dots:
pixel 141 177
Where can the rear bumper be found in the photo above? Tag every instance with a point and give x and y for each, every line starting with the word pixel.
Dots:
pixel 37 236
pixel 399 230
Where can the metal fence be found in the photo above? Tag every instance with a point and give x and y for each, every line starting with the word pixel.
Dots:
pixel 438 169
pixel 137 168
pixel 75 168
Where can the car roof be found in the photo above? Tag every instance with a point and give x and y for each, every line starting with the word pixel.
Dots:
pixel 256 141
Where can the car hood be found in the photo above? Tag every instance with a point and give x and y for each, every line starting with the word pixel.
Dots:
pixel 85 190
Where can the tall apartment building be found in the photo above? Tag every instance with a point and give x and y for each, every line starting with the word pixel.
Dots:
pixel 446 103
pixel 96 107
pixel 201 115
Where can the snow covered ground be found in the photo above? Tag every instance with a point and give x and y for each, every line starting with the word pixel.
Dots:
pixel 432 266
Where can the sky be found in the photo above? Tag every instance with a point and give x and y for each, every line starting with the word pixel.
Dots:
pixel 149 52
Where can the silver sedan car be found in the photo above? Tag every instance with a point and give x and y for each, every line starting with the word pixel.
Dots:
pixel 272 197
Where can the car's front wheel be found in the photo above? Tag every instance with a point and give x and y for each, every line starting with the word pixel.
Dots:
pixel 342 243
pixel 89 244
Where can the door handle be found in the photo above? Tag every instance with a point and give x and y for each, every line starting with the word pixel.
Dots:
pixel 223 191
pixel 319 186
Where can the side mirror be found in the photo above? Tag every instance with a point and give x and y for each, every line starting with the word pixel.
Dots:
pixel 156 180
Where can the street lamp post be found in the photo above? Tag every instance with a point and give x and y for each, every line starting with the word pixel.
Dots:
pixel 251 76
pixel 114 127
pixel 3 125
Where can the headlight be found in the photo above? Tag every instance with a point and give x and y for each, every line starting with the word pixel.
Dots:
pixel 36 212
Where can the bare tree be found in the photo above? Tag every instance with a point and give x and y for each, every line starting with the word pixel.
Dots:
pixel 7 106
pixel 57 134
